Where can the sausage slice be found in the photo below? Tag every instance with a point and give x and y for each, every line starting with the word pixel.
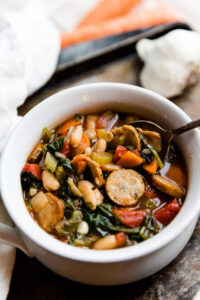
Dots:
pixel 125 187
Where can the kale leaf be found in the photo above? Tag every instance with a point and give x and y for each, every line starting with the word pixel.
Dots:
pixel 55 146
pixel 28 180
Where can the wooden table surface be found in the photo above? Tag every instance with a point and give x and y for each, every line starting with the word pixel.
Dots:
pixel 179 280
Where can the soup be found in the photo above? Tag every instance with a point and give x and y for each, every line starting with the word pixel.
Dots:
pixel 97 182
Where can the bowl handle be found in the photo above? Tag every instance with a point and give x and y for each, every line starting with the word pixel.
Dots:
pixel 9 235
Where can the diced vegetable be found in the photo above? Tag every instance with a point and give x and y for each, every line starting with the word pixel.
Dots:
pixel 61 174
pixel 66 148
pixel 102 134
pixel 152 167
pixel 73 187
pixel 50 162
pixel 117 140
pixel 168 212
pixel 67 125
pixel 102 158
pixel 129 217
pixel 130 160
pixel 107 120
pixel 120 150
pixel 79 163
pixel 166 186
pixel 47 132
pixel 34 169
pixel 121 239
pixel 150 193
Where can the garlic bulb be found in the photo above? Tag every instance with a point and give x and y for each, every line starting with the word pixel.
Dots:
pixel 171 62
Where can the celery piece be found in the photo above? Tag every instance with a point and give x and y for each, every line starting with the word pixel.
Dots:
pixel 102 158
pixel 47 132
pixel 73 187
pixel 50 162
pixel 102 134
pixel 61 174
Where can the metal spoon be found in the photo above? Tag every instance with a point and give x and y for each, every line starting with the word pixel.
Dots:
pixel 168 136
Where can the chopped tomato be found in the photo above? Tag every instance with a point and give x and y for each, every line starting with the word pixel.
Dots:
pixel 35 169
pixel 131 218
pixel 168 212
pixel 135 151
pixel 107 120
pixel 66 148
pixel 120 238
pixel 120 150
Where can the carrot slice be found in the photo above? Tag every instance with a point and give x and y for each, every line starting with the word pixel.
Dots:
pixel 152 167
pixel 129 160
pixel 106 10
pixel 79 163
pixel 138 18
pixel 67 125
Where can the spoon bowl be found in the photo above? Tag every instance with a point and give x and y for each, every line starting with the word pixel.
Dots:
pixel 167 135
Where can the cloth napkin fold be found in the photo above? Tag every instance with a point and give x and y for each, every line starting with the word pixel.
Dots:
pixel 30 45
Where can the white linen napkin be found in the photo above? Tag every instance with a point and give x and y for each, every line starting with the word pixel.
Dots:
pixel 30 46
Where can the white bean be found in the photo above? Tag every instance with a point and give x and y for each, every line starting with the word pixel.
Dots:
pixel 76 136
pixel 83 228
pixel 50 182
pixel 91 196
pixel 91 126
pixel 99 146
pixel 106 243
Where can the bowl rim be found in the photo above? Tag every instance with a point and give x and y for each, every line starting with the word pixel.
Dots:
pixel 49 243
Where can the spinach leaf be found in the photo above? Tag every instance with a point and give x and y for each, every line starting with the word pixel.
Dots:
pixel 28 180
pixel 55 146
pixel 149 228
pixel 67 165
pixel 71 204
pixel 98 222
pixel 106 209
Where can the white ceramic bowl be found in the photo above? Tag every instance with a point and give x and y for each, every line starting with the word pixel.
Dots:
pixel 91 266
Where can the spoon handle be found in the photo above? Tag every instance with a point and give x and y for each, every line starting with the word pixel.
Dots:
pixel 186 127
